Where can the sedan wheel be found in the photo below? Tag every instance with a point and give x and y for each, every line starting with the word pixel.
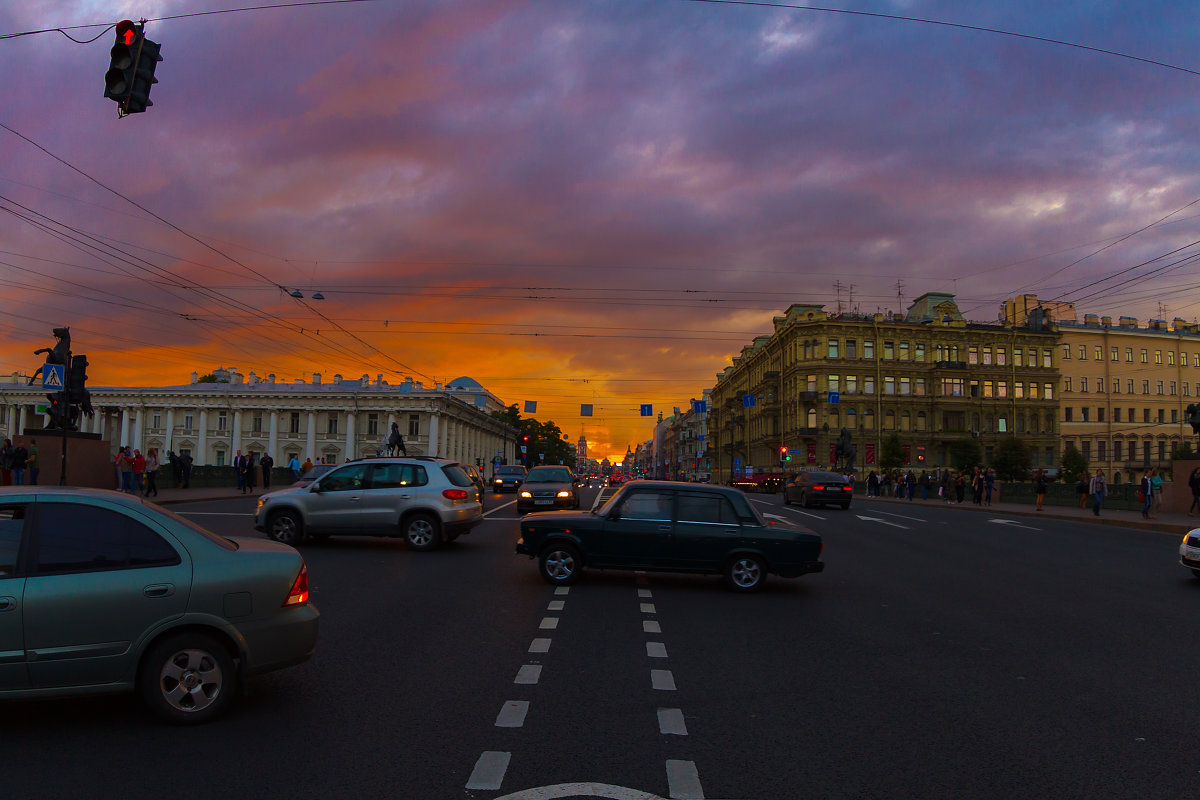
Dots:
pixel 286 527
pixel 745 573
pixel 421 532
pixel 188 679
pixel 560 564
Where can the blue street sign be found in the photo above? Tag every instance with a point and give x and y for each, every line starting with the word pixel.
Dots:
pixel 748 401
pixel 647 409
pixel 700 406
pixel 737 462
pixel 54 376
pixel 834 397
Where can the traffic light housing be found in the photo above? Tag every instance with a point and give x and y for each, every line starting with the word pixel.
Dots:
pixel 143 77
pixel 77 377
pixel 784 456
pixel 58 411
pixel 131 66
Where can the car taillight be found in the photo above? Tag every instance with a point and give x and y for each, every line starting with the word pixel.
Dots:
pixel 454 494
pixel 847 488
pixel 819 488
pixel 298 594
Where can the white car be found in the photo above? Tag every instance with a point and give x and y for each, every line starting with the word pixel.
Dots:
pixel 1189 551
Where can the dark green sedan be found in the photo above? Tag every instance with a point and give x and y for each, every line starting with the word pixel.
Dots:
pixel 670 527
pixel 103 592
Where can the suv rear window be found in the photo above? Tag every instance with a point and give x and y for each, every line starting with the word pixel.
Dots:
pixel 457 475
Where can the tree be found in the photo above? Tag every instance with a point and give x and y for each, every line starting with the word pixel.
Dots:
pixel 1074 465
pixel 891 452
pixel 1179 451
pixel 1012 460
pixel 965 453
pixel 211 378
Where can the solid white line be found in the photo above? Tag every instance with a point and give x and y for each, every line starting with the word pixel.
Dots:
pixel 683 780
pixel 656 649
pixel 645 593
pixel 901 516
pixel 529 674
pixel 497 508
pixel 647 608
pixel 651 626
pixel 490 768
pixel 549 623
pixel 556 605
pixel 662 679
pixel 793 510
pixel 540 646
pixel 670 720
pixel 562 590
pixel 512 714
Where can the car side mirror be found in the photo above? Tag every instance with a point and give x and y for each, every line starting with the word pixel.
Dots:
pixel 315 487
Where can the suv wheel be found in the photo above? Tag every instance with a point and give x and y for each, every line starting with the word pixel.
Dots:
pixel 421 532
pixel 560 564
pixel 287 527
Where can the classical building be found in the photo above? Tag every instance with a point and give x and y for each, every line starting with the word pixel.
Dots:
pixel 327 422
pixel 929 376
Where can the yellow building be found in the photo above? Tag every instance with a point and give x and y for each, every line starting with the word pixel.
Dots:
pixel 929 376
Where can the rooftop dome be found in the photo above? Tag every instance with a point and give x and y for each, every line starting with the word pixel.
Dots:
pixel 464 383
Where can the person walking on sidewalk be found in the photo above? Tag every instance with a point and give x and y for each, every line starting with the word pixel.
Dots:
pixel 265 464
pixel 989 483
pixel 151 473
pixel 1097 489
pixel 35 466
pixel 1081 489
pixel 1157 479
pixel 1194 485
pixel 1039 487
pixel 1146 492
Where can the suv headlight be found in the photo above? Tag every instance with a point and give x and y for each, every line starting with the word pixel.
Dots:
pixel 564 493
pixel 261 503
pixel 526 493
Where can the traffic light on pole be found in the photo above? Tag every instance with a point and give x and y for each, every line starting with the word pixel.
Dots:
pixel 131 66
pixel 143 76
pixel 77 376
pixel 784 457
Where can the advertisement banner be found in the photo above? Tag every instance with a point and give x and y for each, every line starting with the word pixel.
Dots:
pixel 870 457
pixel 907 454
pixel 832 454
pixel 812 454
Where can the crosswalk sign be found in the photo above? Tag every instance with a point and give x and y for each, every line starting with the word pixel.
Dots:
pixel 54 376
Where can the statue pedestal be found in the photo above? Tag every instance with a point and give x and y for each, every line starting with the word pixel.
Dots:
pixel 89 460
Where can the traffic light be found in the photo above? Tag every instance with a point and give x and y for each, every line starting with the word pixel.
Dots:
pixel 131 66
pixel 143 76
pixel 77 377
pixel 58 411
pixel 784 456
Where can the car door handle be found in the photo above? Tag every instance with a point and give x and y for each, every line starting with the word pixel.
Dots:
pixel 665 528
pixel 733 532
pixel 8 603
pixel 159 590
pixel 354 499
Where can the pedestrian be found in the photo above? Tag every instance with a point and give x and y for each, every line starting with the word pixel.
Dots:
pixel 1194 485
pixel 20 457
pixel 923 481
pixel 1081 489
pixel 294 466
pixel 307 465
pixel 151 467
pixel 125 464
pixel 35 466
pixel 1157 479
pixel 989 481
pixel 960 488
pixel 6 453
pixel 139 471
pixel 266 464
pixel 911 485
pixel 239 471
pixel 947 486
pixel 1039 487
pixel 1097 489
pixel 117 464
pixel 977 487
pixel 1146 492
pixel 872 484
pixel 185 460
pixel 248 475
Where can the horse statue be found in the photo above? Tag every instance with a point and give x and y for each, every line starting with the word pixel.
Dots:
pixel 395 442
pixel 844 452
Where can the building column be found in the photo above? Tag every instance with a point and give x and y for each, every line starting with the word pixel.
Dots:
pixel 432 450
pixel 235 437
pixel 139 423
pixel 20 421
pixel 124 427
pixel 273 436
pixel 167 439
pixel 200 457
pixel 310 441
pixel 350 448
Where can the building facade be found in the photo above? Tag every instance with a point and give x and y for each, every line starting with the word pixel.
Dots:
pixel 929 376
pixel 327 422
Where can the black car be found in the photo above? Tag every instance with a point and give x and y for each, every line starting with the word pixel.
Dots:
pixel 547 488
pixel 508 476
pixel 818 488
pixel 671 526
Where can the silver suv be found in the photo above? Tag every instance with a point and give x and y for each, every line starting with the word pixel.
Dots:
pixel 424 500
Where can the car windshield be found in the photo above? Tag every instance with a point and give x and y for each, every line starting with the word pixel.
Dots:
pixel 510 470
pixel 549 476
pixel 316 471
pixel 825 476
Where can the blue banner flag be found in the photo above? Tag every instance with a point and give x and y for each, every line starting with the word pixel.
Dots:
pixel 700 406
pixel 647 410
pixel 531 406
pixel 748 401
pixel 585 410
pixel 677 411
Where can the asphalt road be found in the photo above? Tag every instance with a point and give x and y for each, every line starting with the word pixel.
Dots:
pixel 939 655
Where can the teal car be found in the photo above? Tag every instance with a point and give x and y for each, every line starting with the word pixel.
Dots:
pixel 104 592
pixel 671 527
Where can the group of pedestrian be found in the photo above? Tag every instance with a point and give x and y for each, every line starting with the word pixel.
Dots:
pixel 18 462
pixel 137 473
pixel 247 466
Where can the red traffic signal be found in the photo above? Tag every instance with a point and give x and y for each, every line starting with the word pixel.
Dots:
pixel 126 32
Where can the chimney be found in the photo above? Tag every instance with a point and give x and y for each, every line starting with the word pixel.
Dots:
pixel 299 381
pixel 316 379
pixel 1106 322
pixel 251 378
pixel 195 377
pixel 1091 320
pixel 337 378
pixel 379 379
pixel 365 380
pixel 271 378
pixel 1128 322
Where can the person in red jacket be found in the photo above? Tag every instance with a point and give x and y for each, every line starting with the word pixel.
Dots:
pixel 139 469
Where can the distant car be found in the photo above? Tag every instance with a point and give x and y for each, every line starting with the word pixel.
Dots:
pixel 426 501
pixel 103 592
pixel 818 489
pixel 476 478
pixel 508 476
pixel 547 488
pixel 314 472
pixel 1189 551
pixel 671 527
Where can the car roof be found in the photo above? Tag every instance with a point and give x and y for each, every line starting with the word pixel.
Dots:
pixel 681 486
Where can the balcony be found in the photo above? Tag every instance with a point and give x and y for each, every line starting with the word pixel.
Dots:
pixel 950 365
pixel 810 397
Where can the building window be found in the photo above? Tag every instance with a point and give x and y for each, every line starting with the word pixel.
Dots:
pixel 1099 353
pixel 222 420
pixel 331 426
pixel 220 458
pixel 256 422
pixel 1162 451
pixel 851 384
pixel 1182 359
pixel 869 420
pixel 1118 446
pixel 1146 452
pixel 987 355
pixel 1068 414
pixel 1174 386
pixel 811 383
pixel 833 382
pixel 1086 448
pixel 187 422
pixel 1066 354
pixel 851 419
pixel 889 351
pixel 1083 414
pixel 919 354
pixel 1174 415
pixel 1158 357
pixel 812 418
pixel 889 385
pixel 1083 384
pixel 1067 384
pixel 294 422
pixel 1082 352
pixel 1114 355
pixel 1116 385
pixel 905 386
pixel 1019 390
pixel 1100 414
pixel 905 421
pixel 1145 387
pixel 1117 414
pixel 833 348
pixel 851 348
pixel 889 421
pixel 1018 355
pixel 414 424
pixel 1128 355
pixel 1047 356
pixel 952 387
pixel 919 387
pixel 1101 446
pixel 989 388
pixel 869 385
pixel 973 354
pixel 1170 358
pixel 868 349
pixel 904 351
pixel 1186 386
pixel 1129 385
pixel 1158 386
pixel 1162 417
pixel 1033 391
pixel 157 423
pixel 1047 391
pixel 372 424
pixel 1145 358
pixel 1145 415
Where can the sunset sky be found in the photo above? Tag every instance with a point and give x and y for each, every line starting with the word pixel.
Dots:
pixel 575 201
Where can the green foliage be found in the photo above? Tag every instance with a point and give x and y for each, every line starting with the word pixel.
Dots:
pixel 1012 459
pixel 1182 450
pixel 211 378
pixel 545 438
pixel 1074 465
pixel 891 452
pixel 965 454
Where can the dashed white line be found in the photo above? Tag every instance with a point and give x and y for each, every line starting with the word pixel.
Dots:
pixel 491 766
pixel 562 590
pixel 656 649
pixel 512 714
pixel 529 674
pixel 540 646
pixel 556 605
pixel 651 626
pixel 549 623
pixel 670 720
pixel 662 679
pixel 683 780
pixel 644 593
pixel 647 608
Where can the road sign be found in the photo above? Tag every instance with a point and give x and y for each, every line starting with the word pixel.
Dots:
pixel 54 376
pixel 834 398
pixel 41 408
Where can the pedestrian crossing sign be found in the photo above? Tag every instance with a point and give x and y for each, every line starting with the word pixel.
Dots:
pixel 54 376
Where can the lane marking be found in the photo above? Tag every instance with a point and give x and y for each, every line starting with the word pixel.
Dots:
pixel 560 791
pixel 684 781
pixel 647 608
pixel 651 626
pixel 645 593
pixel 549 623
pixel 901 516
pixel 562 590
pixel 489 770
pixel 670 720
pixel 656 650
pixel 556 605
pixel 512 714
pixel 662 679
pixel 529 674
pixel 540 646
pixel 1012 523
pixel 789 508
pixel 497 508
pixel 882 521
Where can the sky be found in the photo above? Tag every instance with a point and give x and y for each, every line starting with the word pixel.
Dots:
pixel 580 201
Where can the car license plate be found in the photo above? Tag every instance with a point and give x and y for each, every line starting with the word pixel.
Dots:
pixel 1191 552
pixel 543 502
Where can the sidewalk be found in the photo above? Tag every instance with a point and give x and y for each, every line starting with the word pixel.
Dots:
pixel 1175 524
pixel 198 494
